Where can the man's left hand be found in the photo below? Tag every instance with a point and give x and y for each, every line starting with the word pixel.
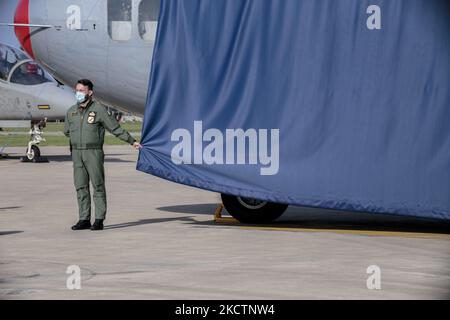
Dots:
pixel 137 145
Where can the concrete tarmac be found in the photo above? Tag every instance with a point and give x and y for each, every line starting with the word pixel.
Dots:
pixel 161 242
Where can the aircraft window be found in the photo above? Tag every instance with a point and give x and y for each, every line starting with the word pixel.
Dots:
pixel 29 73
pixel 119 19
pixel 4 66
pixel 148 19
pixel 9 57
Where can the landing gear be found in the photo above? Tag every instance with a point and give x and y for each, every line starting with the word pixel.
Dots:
pixel 248 210
pixel 33 153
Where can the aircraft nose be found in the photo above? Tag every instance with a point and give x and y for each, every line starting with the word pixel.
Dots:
pixel 63 97
pixel 21 16
pixel 60 100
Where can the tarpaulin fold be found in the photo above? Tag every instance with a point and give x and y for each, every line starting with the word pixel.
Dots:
pixel 358 91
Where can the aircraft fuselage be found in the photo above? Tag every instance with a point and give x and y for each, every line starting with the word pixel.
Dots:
pixel 108 42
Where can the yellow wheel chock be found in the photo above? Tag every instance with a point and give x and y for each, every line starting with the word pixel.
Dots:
pixel 218 215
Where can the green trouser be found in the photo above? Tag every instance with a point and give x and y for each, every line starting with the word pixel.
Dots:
pixel 88 165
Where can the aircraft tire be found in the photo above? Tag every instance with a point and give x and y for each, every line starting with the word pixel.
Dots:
pixel 35 152
pixel 248 210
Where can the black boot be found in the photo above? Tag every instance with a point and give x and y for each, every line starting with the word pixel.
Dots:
pixel 98 225
pixel 82 225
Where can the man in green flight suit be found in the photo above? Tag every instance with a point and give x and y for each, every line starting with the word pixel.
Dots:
pixel 85 125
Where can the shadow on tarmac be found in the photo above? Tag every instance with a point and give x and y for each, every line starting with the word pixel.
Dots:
pixel 62 158
pixel 147 221
pixel 316 218
pixel 10 208
pixel 5 233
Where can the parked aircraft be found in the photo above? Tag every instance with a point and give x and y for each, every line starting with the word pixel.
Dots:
pixel 29 96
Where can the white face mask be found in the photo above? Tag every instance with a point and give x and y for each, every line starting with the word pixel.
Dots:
pixel 80 96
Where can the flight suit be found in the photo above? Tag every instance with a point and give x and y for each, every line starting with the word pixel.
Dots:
pixel 86 129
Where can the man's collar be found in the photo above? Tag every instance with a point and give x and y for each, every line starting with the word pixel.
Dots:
pixel 87 106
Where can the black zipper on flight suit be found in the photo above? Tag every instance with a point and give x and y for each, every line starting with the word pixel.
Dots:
pixel 81 124
pixel 83 111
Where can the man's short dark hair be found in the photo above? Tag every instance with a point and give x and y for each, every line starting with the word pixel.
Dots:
pixel 86 82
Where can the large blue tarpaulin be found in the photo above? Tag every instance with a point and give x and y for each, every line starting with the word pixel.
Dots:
pixel 335 104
